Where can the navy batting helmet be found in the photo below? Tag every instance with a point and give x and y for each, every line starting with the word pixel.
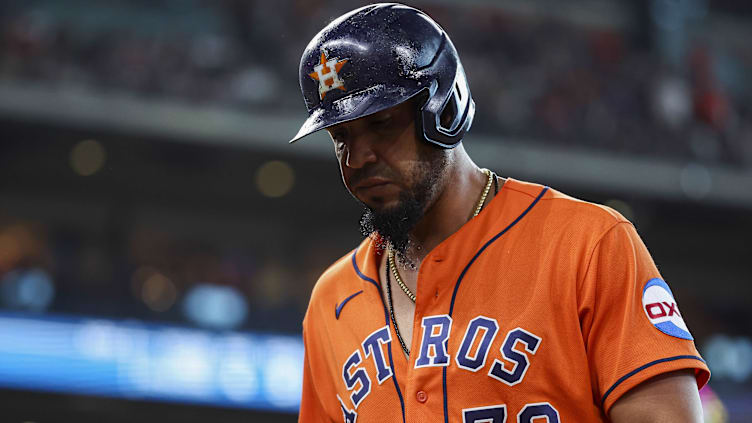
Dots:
pixel 377 57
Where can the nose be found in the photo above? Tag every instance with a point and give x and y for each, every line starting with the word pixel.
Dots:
pixel 359 152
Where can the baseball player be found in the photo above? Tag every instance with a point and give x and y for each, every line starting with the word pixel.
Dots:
pixel 473 298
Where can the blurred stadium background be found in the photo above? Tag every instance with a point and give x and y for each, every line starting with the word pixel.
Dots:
pixel 159 238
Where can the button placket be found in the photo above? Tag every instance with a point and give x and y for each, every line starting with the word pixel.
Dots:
pixel 421 396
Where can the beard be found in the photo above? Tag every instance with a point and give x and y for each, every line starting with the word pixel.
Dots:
pixel 394 224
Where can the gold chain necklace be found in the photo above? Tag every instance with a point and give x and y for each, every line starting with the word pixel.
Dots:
pixel 405 289
pixel 393 266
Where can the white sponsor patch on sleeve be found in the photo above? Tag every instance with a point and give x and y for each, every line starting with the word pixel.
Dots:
pixel 662 311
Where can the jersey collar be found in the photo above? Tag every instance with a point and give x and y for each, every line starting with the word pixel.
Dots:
pixel 367 256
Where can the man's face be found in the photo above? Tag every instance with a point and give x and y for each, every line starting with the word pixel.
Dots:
pixel 384 165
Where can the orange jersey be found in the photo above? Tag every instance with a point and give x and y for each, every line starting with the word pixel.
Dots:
pixel 542 306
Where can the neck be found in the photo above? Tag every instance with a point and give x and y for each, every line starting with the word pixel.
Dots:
pixel 454 206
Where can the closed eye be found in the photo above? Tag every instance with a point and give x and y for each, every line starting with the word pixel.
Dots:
pixel 338 136
pixel 381 122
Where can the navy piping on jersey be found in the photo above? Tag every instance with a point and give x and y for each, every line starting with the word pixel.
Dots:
pixel 386 316
pixel 643 367
pixel 462 275
pixel 338 309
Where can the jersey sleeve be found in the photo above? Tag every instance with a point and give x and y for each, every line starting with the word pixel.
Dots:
pixel 311 408
pixel 631 325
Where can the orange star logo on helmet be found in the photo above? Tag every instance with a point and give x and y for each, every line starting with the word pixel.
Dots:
pixel 327 73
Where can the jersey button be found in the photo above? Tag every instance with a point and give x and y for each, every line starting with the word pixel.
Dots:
pixel 421 396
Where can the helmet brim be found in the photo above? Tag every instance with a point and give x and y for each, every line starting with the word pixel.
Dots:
pixel 354 106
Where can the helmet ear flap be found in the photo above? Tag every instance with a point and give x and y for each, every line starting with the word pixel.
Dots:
pixel 449 116
pixel 446 124
pixel 448 120
pixel 420 101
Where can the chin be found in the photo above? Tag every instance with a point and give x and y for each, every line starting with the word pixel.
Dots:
pixel 381 204
pixel 379 201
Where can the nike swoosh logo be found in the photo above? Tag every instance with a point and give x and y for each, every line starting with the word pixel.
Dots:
pixel 338 309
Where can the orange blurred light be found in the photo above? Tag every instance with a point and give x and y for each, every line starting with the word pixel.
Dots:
pixel 158 292
pixel 87 157
pixel 275 178
pixel 155 289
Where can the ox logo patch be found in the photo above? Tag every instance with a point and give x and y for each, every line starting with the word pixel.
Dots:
pixel 327 73
pixel 660 307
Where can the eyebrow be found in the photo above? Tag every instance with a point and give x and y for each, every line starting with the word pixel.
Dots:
pixel 380 114
pixel 335 132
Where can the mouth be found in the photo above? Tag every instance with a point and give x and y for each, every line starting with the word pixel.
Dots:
pixel 373 185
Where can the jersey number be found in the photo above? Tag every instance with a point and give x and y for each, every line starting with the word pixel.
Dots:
pixel 498 414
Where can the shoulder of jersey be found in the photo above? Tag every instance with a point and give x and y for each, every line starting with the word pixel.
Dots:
pixel 338 280
pixel 568 207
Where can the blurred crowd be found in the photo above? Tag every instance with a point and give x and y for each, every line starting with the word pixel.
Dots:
pixel 534 78
pixel 160 276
